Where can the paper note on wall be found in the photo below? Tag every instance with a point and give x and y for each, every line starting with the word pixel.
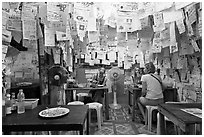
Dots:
pixel 49 37
pixel 29 29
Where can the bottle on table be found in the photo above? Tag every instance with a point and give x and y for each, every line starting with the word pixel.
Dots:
pixel 13 102
pixel 21 98
pixel 8 104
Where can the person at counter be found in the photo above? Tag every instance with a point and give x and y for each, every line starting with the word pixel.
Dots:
pixel 151 89
pixel 98 79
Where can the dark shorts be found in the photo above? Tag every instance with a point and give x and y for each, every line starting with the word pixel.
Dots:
pixel 153 102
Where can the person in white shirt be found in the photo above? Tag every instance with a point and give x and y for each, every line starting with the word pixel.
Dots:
pixel 151 88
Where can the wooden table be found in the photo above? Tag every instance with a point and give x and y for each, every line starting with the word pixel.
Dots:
pixel 69 94
pixel 136 93
pixel 183 120
pixel 31 121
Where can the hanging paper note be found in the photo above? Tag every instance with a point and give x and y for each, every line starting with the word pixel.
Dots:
pixel 199 25
pixel 186 47
pixel 5 17
pixel 173 47
pixel 189 28
pixel 53 12
pixel 165 36
pixel 195 46
pixel 158 22
pixel 144 22
pixel 159 6
pixel 17 35
pixel 93 36
pixel 56 56
pixel 166 63
pixel 179 5
pixel 180 26
pixel 172 32
pixel 61 36
pixel 91 26
pixel 14 24
pixel 28 12
pixel 49 37
pixel 191 13
pixel 112 56
pixel 29 29
pixel 172 15
pixel 174 60
pixel 156 45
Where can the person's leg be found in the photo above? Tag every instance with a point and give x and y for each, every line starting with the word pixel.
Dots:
pixel 141 106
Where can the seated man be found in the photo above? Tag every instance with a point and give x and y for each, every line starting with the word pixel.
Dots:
pixel 98 79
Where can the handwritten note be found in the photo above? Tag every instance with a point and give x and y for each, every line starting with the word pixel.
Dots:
pixel 29 29
pixel 180 26
pixel 158 22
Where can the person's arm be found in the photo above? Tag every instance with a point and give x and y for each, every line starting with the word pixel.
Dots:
pixel 144 85
pixel 144 88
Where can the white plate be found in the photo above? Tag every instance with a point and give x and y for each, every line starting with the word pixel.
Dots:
pixel 54 112
pixel 100 85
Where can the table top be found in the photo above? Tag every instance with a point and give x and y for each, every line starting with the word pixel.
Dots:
pixel 31 121
pixel 87 88
pixel 174 110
